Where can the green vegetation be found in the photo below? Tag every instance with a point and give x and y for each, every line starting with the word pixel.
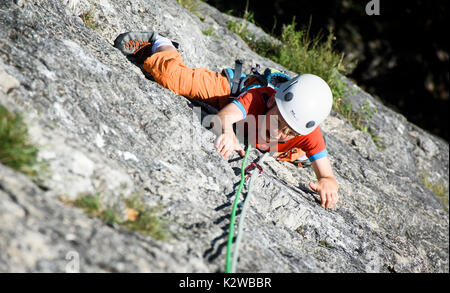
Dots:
pixel 241 28
pixel 146 220
pixel 15 149
pixel 210 32
pixel 138 216
pixel 358 118
pixel 299 52
pixel 192 6
pixel 437 188
pixel 326 244
pixel 88 19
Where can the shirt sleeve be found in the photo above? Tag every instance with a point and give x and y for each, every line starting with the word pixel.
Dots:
pixel 314 145
pixel 251 102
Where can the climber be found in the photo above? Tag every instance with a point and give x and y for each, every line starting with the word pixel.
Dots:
pixel 296 109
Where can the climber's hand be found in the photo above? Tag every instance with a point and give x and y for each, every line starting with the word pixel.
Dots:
pixel 327 185
pixel 226 143
pixel 327 189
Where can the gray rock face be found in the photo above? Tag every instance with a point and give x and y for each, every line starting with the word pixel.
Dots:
pixel 103 127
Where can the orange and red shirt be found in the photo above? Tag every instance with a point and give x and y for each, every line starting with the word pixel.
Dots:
pixel 254 102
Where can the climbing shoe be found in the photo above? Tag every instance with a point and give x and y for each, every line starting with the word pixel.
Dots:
pixel 131 43
pixel 137 46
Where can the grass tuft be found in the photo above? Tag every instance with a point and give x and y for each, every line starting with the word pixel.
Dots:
pixel 358 118
pixel 139 217
pixel 144 219
pixel 326 244
pixel 192 6
pixel 437 188
pixel 88 19
pixel 210 32
pixel 15 149
pixel 298 52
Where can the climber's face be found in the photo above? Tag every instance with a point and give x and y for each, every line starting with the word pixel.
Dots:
pixel 277 130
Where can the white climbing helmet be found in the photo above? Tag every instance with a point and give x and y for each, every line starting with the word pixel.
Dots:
pixel 304 102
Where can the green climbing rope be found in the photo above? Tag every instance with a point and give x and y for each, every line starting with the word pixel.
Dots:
pixel 240 229
pixel 233 212
pixel 241 223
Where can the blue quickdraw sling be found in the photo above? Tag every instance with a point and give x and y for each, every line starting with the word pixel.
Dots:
pixel 241 82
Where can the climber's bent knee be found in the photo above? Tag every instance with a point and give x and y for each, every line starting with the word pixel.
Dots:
pixel 168 69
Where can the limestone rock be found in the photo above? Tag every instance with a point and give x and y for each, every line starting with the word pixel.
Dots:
pixel 103 127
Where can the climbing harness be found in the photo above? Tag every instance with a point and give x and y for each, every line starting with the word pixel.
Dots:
pixel 241 82
pixel 231 264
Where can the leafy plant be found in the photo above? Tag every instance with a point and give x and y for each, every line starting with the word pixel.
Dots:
pixel 437 188
pixel 298 52
pixel 210 32
pixel 144 219
pixel 192 6
pixel 326 244
pixel 138 216
pixel 88 19
pixel 15 149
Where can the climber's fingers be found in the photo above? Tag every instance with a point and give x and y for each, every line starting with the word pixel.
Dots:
pixel 323 199
pixel 225 145
pixel 334 198
pixel 227 153
pixel 313 186
pixel 219 143
pixel 223 150
pixel 227 150
pixel 241 152
pixel 330 200
pixel 323 196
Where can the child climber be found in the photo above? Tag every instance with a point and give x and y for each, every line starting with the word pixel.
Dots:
pixel 296 108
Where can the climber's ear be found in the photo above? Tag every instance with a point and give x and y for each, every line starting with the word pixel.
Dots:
pixel 271 101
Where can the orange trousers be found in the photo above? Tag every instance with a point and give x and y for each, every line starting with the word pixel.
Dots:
pixel 168 69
